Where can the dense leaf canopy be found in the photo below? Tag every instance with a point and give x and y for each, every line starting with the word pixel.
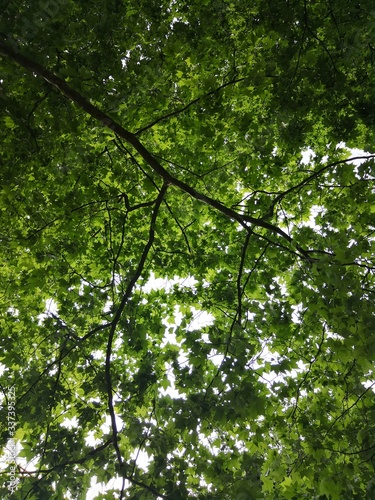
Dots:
pixel 165 161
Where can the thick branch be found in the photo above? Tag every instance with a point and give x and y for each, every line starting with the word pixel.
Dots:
pixel 131 139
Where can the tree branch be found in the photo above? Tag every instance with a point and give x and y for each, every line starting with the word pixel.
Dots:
pixel 314 176
pixel 117 317
pixel 181 110
pixel 131 139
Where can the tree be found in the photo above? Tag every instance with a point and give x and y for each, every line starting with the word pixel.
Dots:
pixel 202 140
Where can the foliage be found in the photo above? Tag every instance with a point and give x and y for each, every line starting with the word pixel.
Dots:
pixel 169 140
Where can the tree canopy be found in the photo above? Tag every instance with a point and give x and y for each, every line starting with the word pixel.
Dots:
pixel 203 145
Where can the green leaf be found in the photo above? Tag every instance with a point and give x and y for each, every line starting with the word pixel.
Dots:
pixel 187 249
